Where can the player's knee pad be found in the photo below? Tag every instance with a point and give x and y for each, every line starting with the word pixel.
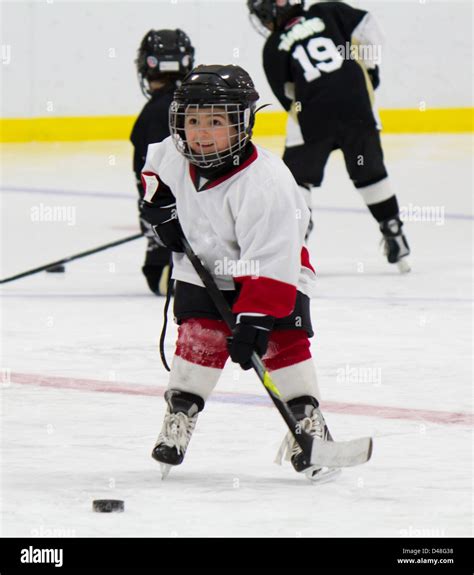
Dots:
pixel 287 348
pixel 203 342
pixel 289 360
pixel 201 353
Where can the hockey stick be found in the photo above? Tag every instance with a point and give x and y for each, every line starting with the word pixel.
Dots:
pixel 319 452
pixel 71 258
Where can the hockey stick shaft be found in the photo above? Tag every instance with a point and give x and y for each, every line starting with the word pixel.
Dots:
pixel 71 258
pixel 304 440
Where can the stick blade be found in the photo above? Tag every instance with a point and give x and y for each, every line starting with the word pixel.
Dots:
pixel 341 453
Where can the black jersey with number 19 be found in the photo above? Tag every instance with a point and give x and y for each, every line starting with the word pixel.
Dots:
pixel 316 66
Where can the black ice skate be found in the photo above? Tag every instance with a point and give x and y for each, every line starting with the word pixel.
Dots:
pixel 395 244
pixel 178 427
pixel 306 411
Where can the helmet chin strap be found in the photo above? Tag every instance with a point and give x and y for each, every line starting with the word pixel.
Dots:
pixel 261 107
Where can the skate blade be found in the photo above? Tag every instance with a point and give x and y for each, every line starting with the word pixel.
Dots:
pixel 165 470
pixel 324 476
pixel 404 266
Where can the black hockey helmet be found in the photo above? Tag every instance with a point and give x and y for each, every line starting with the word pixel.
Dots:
pixel 269 15
pixel 215 89
pixel 166 55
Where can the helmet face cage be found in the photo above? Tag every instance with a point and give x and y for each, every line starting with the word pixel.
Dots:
pixel 165 55
pixel 238 127
pixel 267 16
pixel 262 15
pixel 259 26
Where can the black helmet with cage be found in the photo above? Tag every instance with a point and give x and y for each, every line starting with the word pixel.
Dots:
pixel 165 55
pixel 272 15
pixel 221 90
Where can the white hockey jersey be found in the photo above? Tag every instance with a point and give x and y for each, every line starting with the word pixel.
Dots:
pixel 248 227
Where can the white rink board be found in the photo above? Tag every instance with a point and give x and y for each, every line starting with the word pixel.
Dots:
pixel 417 69
pixel 97 326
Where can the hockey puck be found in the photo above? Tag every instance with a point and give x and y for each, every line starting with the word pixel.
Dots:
pixel 61 268
pixel 108 505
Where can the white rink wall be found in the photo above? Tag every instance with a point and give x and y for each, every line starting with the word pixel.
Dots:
pixel 70 58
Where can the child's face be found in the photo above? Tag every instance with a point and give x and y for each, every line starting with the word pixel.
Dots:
pixel 208 130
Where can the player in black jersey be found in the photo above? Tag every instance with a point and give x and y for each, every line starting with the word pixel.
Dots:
pixel 323 66
pixel 164 58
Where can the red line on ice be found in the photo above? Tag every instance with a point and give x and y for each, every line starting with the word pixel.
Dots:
pixel 384 412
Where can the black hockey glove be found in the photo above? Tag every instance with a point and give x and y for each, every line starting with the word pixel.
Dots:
pixel 374 75
pixel 146 226
pixel 249 335
pixel 161 217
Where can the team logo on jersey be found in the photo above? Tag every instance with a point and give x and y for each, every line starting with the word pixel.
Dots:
pixel 152 62
pixel 303 29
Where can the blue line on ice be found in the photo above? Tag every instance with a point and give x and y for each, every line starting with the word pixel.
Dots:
pixel 128 196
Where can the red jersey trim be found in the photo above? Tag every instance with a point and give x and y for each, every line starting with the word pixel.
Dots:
pixel 264 295
pixel 305 261
pixel 236 170
pixel 292 22
pixel 192 174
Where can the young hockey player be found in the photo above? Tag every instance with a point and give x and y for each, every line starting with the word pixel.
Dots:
pixel 322 65
pixel 164 58
pixel 236 203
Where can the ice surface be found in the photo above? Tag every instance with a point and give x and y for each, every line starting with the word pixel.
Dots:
pixel 393 355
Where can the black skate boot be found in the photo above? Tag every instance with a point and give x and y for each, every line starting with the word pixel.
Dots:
pixel 395 243
pixel 306 411
pixel 178 426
